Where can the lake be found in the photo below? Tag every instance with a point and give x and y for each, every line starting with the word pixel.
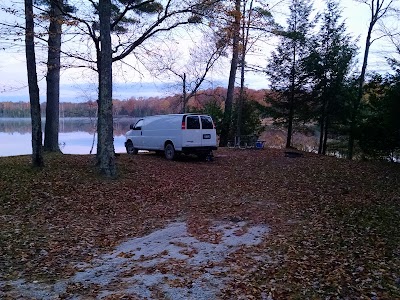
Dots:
pixel 75 137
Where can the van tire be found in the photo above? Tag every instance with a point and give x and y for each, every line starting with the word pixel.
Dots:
pixel 130 149
pixel 203 156
pixel 169 151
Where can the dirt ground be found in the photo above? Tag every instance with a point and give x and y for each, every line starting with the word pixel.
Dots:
pixel 252 224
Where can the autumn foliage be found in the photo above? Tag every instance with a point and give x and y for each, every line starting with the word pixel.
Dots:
pixel 134 106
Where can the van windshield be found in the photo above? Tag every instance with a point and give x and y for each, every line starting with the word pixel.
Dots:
pixel 206 122
pixel 139 124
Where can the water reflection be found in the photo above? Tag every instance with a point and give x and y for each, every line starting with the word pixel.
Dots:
pixel 76 136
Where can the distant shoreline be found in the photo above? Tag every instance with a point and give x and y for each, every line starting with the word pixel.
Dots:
pixel 115 118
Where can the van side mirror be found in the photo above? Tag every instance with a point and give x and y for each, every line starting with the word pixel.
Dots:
pixel 131 126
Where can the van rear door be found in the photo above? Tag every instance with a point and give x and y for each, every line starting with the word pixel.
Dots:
pixel 208 133
pixel 192 134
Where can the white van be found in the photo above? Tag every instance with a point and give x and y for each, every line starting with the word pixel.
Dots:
pixel 173 134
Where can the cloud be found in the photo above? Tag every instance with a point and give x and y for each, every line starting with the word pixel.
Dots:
pixel 87 91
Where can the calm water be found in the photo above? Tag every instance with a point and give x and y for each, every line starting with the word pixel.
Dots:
pixel 75 137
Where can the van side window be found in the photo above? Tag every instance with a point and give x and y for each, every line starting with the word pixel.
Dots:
pixel 139 124
pixel 206 122
pixel 192 122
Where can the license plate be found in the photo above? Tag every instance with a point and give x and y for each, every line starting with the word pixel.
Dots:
pixel 206 136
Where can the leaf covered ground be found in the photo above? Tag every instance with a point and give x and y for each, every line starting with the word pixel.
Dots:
pixel 334 223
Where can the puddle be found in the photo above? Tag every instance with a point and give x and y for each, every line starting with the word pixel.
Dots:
pixel 169 263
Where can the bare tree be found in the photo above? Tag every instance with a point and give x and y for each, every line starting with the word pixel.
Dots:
pixel 254 19
pixel 394 38
pixel 203 62
pixel 37 151
pixel 248 18
pixel 192 73
pixel 379 10
pixel 245 30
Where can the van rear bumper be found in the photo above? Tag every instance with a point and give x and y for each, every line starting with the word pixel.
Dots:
pixel 204 149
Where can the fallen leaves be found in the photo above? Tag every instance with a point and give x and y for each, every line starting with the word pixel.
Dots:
pixel 334 222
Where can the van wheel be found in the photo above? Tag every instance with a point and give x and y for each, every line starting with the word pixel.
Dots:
pixel 202 156
pixel 169 151
pixel 130 149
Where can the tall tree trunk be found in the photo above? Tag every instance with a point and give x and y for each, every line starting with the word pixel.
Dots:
pixel 290 122
pixel 240 101
pixel 291 99
pixel 324 113
pixel 37 151
pixel 53 77
pixel 105 142
pixel 325 141
pixel 226 124
pixel 184 94
pixel 355 109
pixel 245 28
pixel 321 134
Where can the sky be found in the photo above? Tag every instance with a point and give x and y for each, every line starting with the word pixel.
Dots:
pixel 79 85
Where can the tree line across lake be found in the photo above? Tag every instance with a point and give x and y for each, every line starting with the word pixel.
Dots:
pixel 378 132
pixel 133 107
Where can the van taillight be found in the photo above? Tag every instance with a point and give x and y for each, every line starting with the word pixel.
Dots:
pixel 183 125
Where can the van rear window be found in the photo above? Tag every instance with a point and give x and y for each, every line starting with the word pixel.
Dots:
pixel 192 122
pixel 206 122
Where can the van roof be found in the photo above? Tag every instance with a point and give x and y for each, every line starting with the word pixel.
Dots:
pixel 180 115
